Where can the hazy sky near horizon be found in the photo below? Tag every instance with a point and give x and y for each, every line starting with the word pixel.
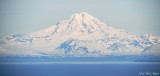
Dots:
pixel 27 16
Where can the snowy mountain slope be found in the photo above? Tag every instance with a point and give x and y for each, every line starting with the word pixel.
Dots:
pixel 79 35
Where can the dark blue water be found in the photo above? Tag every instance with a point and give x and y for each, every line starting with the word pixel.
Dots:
pixel 79 69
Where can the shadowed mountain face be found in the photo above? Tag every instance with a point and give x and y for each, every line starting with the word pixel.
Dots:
pixel 79 35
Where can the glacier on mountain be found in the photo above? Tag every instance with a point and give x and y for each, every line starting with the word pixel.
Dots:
pixel 79 35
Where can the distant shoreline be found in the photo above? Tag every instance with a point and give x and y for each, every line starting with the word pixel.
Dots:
pixel 114 62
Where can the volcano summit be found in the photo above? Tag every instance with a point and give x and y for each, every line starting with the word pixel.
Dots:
pixel 80 35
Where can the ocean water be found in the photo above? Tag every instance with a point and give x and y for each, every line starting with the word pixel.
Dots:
pixel 80 69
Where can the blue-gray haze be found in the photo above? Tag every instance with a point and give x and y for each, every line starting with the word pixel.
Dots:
pixel 26 16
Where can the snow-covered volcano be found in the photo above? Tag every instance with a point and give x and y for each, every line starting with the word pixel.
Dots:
pixel 79 35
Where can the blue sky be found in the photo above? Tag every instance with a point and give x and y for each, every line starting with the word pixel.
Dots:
pixel 26 16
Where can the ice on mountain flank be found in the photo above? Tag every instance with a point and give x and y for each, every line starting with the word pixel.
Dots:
pixel 79 35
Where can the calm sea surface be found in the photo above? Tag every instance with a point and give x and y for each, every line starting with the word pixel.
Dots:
pixel 128 69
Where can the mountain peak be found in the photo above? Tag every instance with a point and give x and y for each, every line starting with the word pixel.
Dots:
pixel 84 22
pixel 80 35
pixel 85 14
pixel 82 16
